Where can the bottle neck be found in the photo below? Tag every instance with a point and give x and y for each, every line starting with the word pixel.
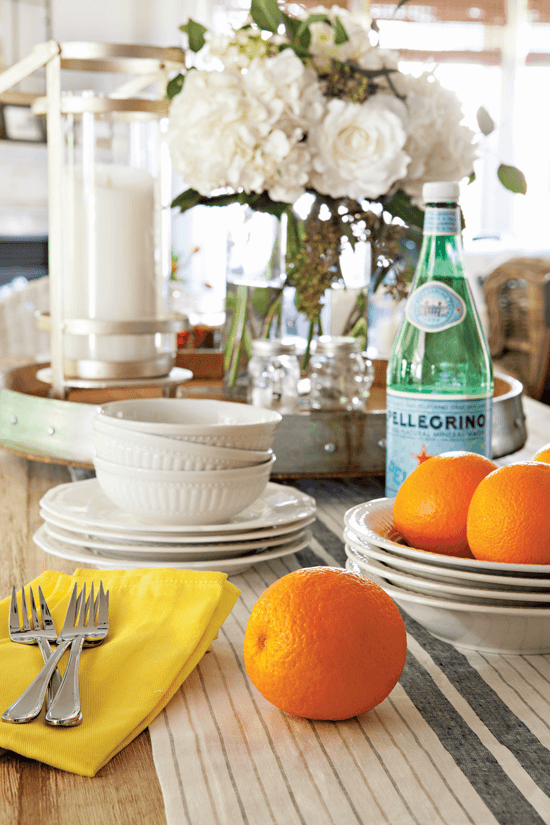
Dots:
pixel 441 252
pixel 442 219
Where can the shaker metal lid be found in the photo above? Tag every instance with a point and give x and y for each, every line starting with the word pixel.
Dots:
pixel 332 344
pixel 265 346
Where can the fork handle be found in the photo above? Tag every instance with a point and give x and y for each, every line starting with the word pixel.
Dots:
pixel 65 707
pixel 29 704
pixel 55 681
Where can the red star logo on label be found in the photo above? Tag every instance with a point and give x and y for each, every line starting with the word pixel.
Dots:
pixel 423 456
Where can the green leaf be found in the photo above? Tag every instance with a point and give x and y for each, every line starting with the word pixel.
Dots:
pixel 400 206
pixel 512 179
pixel 267 14
pixel 340 35
pixel 485 122
pixel 186 200
pixel 174 86
pixel 195 34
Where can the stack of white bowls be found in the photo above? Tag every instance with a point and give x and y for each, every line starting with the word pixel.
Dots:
pixel 474 604
pixel 171 461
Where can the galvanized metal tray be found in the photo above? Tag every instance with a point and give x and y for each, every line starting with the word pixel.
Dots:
pixel 313 444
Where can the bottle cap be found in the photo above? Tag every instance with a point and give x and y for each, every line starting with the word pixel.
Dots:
pixel 441 192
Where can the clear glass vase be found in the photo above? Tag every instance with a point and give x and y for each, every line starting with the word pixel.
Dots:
pixel 255 277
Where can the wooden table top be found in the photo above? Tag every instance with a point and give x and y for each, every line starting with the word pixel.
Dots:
pixel 127 789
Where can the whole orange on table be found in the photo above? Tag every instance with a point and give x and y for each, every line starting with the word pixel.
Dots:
pixel 431 506
pixel 509 515
pixel 325 643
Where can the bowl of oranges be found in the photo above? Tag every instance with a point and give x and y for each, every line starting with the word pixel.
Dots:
pixel 464 548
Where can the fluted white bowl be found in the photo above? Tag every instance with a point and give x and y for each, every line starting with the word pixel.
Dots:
pixel 207 421
pixel 181 496
pixel 157 452
pixel 492 629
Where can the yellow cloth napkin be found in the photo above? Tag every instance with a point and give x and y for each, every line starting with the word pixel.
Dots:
pixel 161 623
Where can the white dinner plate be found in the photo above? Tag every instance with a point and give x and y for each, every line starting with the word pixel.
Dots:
pixel 97 533
pixel 442 574
pixel 85 504
pixel 493 629
pixel 373 521
pixel 230 566
pixel 471 595
pixel 171 551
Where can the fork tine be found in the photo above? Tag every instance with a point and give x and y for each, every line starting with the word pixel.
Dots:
pixel 103 607
pixel 85 609
pixel 14 613
pixel 34 615
pixel 24 611
pixel 47 620
pixel 72 611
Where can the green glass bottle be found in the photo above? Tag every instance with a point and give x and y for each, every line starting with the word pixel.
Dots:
pixel 440 377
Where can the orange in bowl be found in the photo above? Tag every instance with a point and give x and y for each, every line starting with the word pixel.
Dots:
pixel 543 454
pixel 325 643
pixel 431 506
pixel 509 515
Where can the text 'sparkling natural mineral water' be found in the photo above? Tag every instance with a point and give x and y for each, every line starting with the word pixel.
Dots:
pixel 440 380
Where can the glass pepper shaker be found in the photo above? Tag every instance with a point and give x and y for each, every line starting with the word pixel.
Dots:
pixel 287 376
pixel 261 372
pixel 340 377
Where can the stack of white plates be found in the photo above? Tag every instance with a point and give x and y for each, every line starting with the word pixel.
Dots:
pixel 474 604
pixel 81 524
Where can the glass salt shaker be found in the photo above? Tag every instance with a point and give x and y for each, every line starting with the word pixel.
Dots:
pixel 340 376
pixel 261 372
pixel 287 376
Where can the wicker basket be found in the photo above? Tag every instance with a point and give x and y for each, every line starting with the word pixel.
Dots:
pixel 518 303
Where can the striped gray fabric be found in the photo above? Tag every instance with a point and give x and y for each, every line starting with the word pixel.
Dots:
pixel 463 738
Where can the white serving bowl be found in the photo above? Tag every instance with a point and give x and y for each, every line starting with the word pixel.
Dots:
pixel 493 629
pixel 182 497
pixel 208 421
pixel 373 522
pixel 442 574
pixel 454 592
pixel 156 452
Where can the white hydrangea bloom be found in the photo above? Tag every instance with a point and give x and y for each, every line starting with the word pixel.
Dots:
pixel 241 129
pixel 357 150
pixel 441 147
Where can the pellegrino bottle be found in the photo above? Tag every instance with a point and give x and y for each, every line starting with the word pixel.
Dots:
pixel 440 378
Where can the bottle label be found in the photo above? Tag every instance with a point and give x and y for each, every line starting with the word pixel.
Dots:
pixel 419 427
pixel 439 221
pixel 434 307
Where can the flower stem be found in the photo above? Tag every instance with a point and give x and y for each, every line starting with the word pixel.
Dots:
pixel 236 335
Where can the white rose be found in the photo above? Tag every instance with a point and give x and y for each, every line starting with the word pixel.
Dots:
pixel 359 48
pixel 357 150
pixel 440 146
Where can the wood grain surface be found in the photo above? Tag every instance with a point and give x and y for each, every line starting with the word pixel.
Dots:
pixel 126 791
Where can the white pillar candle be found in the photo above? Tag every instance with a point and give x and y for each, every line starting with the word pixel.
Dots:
pixel 109 255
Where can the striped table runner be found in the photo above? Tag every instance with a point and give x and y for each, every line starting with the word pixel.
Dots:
pixel 463 738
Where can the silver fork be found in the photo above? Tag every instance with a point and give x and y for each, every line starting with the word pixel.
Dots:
pixel 29 704
pixel 91 630
pixel 34 632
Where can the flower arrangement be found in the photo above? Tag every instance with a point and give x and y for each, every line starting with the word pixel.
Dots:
pixel 310 103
